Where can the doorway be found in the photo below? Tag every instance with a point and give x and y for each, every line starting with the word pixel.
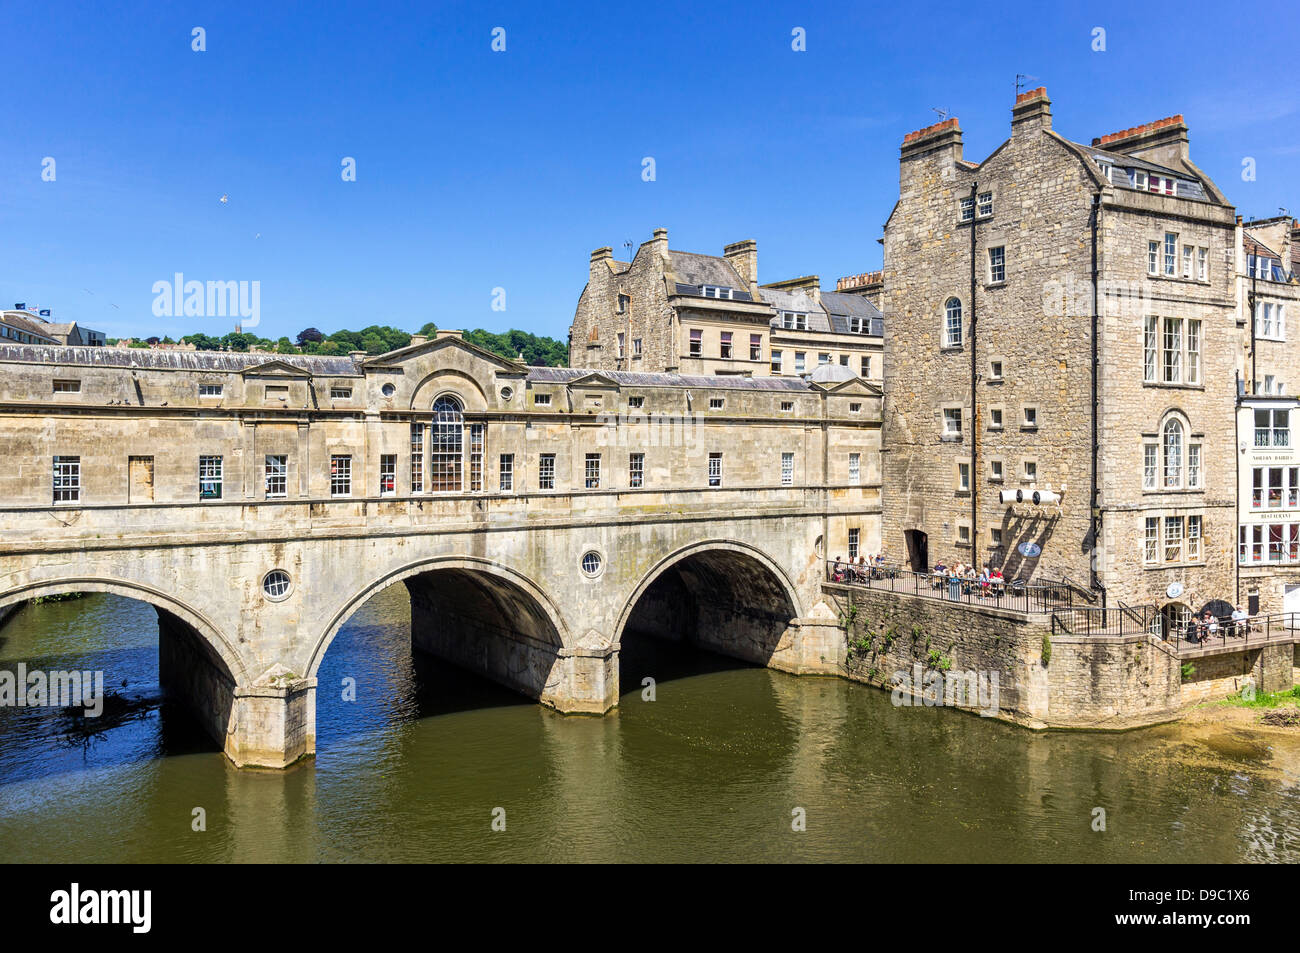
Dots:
pixel 918 550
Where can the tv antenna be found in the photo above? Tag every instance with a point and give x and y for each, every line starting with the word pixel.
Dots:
pixel 629 246
pixel 1021 81
pixel 943 112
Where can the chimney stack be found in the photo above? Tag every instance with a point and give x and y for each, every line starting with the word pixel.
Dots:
pixel 1032 113
pixel 1163 141
pixel 743 256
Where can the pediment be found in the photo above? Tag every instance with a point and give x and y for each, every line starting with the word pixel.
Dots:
pixel 275 369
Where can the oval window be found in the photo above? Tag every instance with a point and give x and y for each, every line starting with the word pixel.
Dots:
pixel 276 584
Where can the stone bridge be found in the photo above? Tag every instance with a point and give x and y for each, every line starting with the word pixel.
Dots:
pixel 508 589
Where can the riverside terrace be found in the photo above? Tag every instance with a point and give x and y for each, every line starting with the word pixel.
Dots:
pixel 1063 659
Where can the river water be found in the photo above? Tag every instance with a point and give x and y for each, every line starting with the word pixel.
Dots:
pixel 715 768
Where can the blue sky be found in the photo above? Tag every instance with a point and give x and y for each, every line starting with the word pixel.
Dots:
pixel 478 170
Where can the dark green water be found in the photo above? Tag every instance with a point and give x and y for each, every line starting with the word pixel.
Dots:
pixel 710 771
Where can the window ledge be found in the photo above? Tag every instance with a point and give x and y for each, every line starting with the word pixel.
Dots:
pixel 952 347
pixel 995 284
pixel 1029 428
pixel 950 438
pixel 1173 386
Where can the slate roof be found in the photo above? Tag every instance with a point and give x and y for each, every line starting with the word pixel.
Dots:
pixel 16 320
pixel 565 375
pixel 693 269
pixel 229 361
pixel 840 307
pixel 1186 186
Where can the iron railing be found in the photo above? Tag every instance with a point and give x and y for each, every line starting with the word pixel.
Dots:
pixel 1009 594
pixel 1225 634
pixel 1120 620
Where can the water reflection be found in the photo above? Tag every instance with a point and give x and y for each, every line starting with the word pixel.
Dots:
pixel 710 770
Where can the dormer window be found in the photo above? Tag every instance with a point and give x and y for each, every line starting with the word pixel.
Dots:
pixel 1106 168
pixel 1139 180
pixel 860 325
pixel 794 320
pixel 717 291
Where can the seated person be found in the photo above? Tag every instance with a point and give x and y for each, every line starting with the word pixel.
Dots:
pixel 1239 618
pixel 1209 625
pixel 837 571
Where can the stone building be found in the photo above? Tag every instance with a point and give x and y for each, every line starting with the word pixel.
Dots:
pixel 21 327
pixel 682 312
pixel 1268 368
pixel 999 378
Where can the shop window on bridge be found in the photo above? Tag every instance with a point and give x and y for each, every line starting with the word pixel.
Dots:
pixel 340 475
pixel 447 446
pixel 277 476
pixel 854 534
pixel 210 477
pixel 417 458
pixel 67 479
pixel 387 474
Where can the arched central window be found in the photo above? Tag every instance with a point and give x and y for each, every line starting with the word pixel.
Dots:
pixel 447 451
pixel 1173 445
pixel 952 323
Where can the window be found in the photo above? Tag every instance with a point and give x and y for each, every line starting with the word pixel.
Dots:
pixel 794 320
pixel 787 469
pixel 623 302
pixel 387 474
pixel 542 400
pixel 787 405
pixel 1139 180
pixel 593 471
pixel 1173 539
pixel 209 477
pixel 995 370
pixel 1203 264
pixel 636 470
pixel 1269 321
pixel 967 213
pixel 1171 253
pixel 340 475
pixel 997 265
pixel 855 469
pixel 985 204
pixel 636 403
pixel 865 365
pixel 1151 540
pixel 756 347
pixel 823 358
pixel 67 387
pixel 1150 466
pixel 1150 335
pixel 209 390
pixel 1031 471
pixel 853 542
pixel 546 471
pixel 844 360
pixel 1272 428
pixel 507 471
pixel 1153 258
pixel 725 348
pixel 636 349
pixel 340 393
pixel 1188 253
pixel 799 362
pixel 995 418
pixel 622 342
pixel 963 477
pixel 67 479
pixel 1193 466
pixel 776 362
pixel 963 534
pixel 1172 352
pixel 859 325
pixel 996 472
pixel 716 291
pixel 697 343
pixel 447 450
pixel 952 323
pixel 1030 420
pixel 995 537
pixel 1173 446
pixel 277 476
pixel 417 458
pixel 715 469
pixel 952 422
pixel 591 563
pixel 1193 539
pixel 276 584
pixel 716 403
pixel 1193 351
pixel 855 408
pixel 475 457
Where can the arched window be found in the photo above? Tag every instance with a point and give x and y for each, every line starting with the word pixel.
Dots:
pixel 446 452
pixel 1173 447
pixel 952 323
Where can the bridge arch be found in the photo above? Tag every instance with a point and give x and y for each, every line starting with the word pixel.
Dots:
pixel 723 595
pixel 206 629
pixel 499 590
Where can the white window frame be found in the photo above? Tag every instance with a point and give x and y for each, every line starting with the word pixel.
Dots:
pixel 546 471
pixel 212 474
pixel 67 479
pixel 340 475
pixel 591 471
pixel 276 470
pixel 997 265
pixel 715 469
pixel 953 321
pixel 787 468
pixel 855 469
pixel 636 470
